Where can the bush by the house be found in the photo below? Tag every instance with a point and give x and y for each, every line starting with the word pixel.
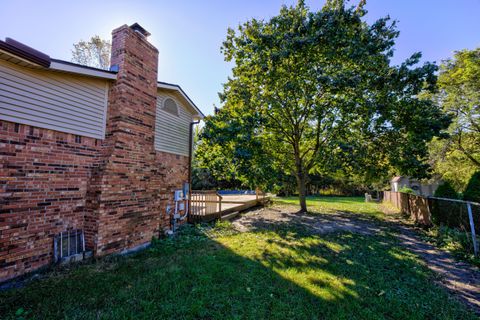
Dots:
pixel 472 192
pixel 446 190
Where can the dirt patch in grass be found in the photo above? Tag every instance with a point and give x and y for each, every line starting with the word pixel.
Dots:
pixel 315 223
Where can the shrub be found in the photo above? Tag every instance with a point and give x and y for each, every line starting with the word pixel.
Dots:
pixel 446 190
pixel 472 192
pixel 405 189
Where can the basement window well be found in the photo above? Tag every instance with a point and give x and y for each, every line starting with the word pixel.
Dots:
pixel 69 246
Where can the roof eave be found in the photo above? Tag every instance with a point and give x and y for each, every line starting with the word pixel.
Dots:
pixel 24 52
pixel 176 87
pixel 64 66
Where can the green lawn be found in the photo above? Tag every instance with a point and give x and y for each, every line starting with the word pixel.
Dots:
pixel 280 273
pixel 327 204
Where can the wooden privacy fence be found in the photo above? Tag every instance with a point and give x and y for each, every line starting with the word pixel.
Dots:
pixel 463 215
pixel 414 206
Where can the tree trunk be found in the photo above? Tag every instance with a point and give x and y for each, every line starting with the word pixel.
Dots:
pixel 301 184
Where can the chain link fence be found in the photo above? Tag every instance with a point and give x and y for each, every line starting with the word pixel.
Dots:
pixel 458 214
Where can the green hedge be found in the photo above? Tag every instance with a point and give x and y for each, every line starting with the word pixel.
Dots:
pixel 446 190
pixel 453 214
pixel 472 192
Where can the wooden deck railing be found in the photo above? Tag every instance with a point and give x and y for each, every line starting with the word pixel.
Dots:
pixel 206 205
pixel 209 205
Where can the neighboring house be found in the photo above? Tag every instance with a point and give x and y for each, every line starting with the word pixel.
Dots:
pixel 420 187
pixel 88 158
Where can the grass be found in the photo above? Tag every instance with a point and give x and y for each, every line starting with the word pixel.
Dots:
pixel 283 272
pixel 329 204
pixel 455 241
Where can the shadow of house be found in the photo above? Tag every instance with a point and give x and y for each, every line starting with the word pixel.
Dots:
pixel 271 273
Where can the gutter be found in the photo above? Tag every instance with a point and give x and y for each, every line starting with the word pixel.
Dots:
pixel 25 52
pixel 190 151
pixel 75 68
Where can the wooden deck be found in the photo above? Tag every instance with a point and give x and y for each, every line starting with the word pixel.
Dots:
pixel 209 205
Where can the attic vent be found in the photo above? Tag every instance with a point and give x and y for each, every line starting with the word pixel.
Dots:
pixel 170 106
pixel 68 244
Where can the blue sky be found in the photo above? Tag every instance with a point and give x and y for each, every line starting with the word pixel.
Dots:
pixel 189 34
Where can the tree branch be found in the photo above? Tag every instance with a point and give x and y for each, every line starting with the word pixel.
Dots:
pixel 465 152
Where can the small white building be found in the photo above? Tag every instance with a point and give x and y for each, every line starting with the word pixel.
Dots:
pixel 422 188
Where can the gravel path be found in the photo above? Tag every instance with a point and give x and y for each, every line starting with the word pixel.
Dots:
pixel 461 279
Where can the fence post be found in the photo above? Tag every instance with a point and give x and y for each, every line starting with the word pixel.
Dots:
pixel 472 228
pixel 409 212
pixel 429 213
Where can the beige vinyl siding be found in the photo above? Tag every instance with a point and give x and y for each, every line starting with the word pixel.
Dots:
pixel 171 131
pixel 52 100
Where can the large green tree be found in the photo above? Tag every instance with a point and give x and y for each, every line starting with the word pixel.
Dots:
pixel 232 151
pixel 315 91
pixel 458 157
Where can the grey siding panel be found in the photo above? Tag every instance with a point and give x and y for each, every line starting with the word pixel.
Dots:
pixel 51 85
pixel 171 131
pixel 51 100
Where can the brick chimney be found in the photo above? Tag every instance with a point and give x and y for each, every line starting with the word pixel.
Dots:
pixel 124 201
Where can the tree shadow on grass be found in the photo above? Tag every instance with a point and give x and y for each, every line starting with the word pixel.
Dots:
pixel 282 272
pixel 326 199
pixel 373 259
pixel 319 223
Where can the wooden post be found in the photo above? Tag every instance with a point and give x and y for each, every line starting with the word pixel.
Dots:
pixel 429 213
pixel 472 228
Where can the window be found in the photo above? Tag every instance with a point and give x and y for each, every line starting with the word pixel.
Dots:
pixel 170 106
pixel 68 243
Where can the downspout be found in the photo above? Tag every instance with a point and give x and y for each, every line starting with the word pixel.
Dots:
pixel 190 151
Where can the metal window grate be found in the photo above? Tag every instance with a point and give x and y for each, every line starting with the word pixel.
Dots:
pixel 69 243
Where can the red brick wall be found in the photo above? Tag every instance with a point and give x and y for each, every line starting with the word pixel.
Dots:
pixel 176 173
pixel 116 189
pixel 44 177
pixel 128 197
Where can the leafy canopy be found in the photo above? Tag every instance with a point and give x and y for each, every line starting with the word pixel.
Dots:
pixel 458 157
pixel 315 92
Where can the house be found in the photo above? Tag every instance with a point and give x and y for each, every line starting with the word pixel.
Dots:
pixel 90 160
pixel 422 188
